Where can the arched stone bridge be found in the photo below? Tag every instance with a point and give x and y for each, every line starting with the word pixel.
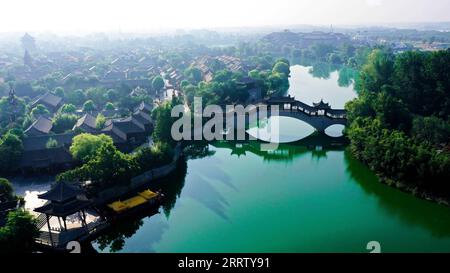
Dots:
pixel 320 115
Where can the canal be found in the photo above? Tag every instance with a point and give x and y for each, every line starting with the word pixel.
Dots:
pixel 311 196
pixel 308 196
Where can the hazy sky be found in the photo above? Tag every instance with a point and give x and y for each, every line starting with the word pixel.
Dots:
pixel 147 15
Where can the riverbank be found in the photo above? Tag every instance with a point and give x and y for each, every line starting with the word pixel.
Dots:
pixel 416 191
pixel 307 200
pixel 101 214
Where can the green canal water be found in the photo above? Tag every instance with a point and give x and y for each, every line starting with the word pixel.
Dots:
pixel 311 196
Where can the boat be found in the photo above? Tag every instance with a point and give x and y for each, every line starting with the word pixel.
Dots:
pixel 142 199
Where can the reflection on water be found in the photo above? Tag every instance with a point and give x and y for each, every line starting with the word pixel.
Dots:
pixel 281 130
pixel 235 196
pixel 308 196
pixel 115 238
pixel 347 77
pixel 335 131
pixel 30 187
pixel 428 215
pixel 308 87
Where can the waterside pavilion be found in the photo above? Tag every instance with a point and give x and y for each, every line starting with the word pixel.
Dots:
pixel 64 200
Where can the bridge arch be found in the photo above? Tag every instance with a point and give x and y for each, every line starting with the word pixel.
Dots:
pixel 320 115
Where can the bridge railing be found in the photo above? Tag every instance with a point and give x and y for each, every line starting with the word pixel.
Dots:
pixel 315 112
pixel 297 106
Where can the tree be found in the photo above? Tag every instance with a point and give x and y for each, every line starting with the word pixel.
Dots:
pixel 392 112
pixel 68 109
pixel 163 123
pixel 51 143
pixel 378 71
pixel 158 83
pixel 390 127
pixel 64 122
pixel 194 74
pixel 97 95
pixel 110 106
pixel 184 84
pixel 11 150
pixel 85 146
pixel 254 74
pixel 76 97
pixel 6 190
pixel 279 83
pixel 112 95
pixel 281 67
pixel 432 130
pixel 100 121
pixel 18 235
pixel 39 110
pixel 421 81
pixel 59 91
pixel 106 167
pixel 157 155
pixel 334 58
pixel 89 106
pixel 360 108
pixel 321 50
pixel 10 112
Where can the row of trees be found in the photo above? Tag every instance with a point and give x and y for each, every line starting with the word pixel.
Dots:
pixel 11 150
pixel 274 82
pixel 400 122
pixel 17 235
pixel 106 166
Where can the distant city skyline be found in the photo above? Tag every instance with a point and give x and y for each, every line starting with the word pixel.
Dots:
pixel 148 16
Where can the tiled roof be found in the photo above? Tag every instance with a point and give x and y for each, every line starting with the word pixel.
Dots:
pixel 61 192
pixel 37 143
pixel 142 117
pixel 87 120
pixel 42 125
pixel 45 158
pixel 145 107
pixel 48 99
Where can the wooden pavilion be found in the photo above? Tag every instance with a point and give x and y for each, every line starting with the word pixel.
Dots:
pixel 64 200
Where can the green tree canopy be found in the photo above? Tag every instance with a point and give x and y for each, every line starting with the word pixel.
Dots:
pixel 378 71
pixel 18 235
pixel 97 95
pixel 10 111
pixel 110 106
pixel 39 110
pixel 432 130
pixel 89 106
pixel 6 190
pixel 11 150
pixel 68 109
pixel 76 97
pixel 51 143
pixel 64 122
pixel 106 167
pixel 163 123
pixel 100 121
pixel 85 146
pixel 59 91
pixel 194 74
pixel 281 67
pixel 158 83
